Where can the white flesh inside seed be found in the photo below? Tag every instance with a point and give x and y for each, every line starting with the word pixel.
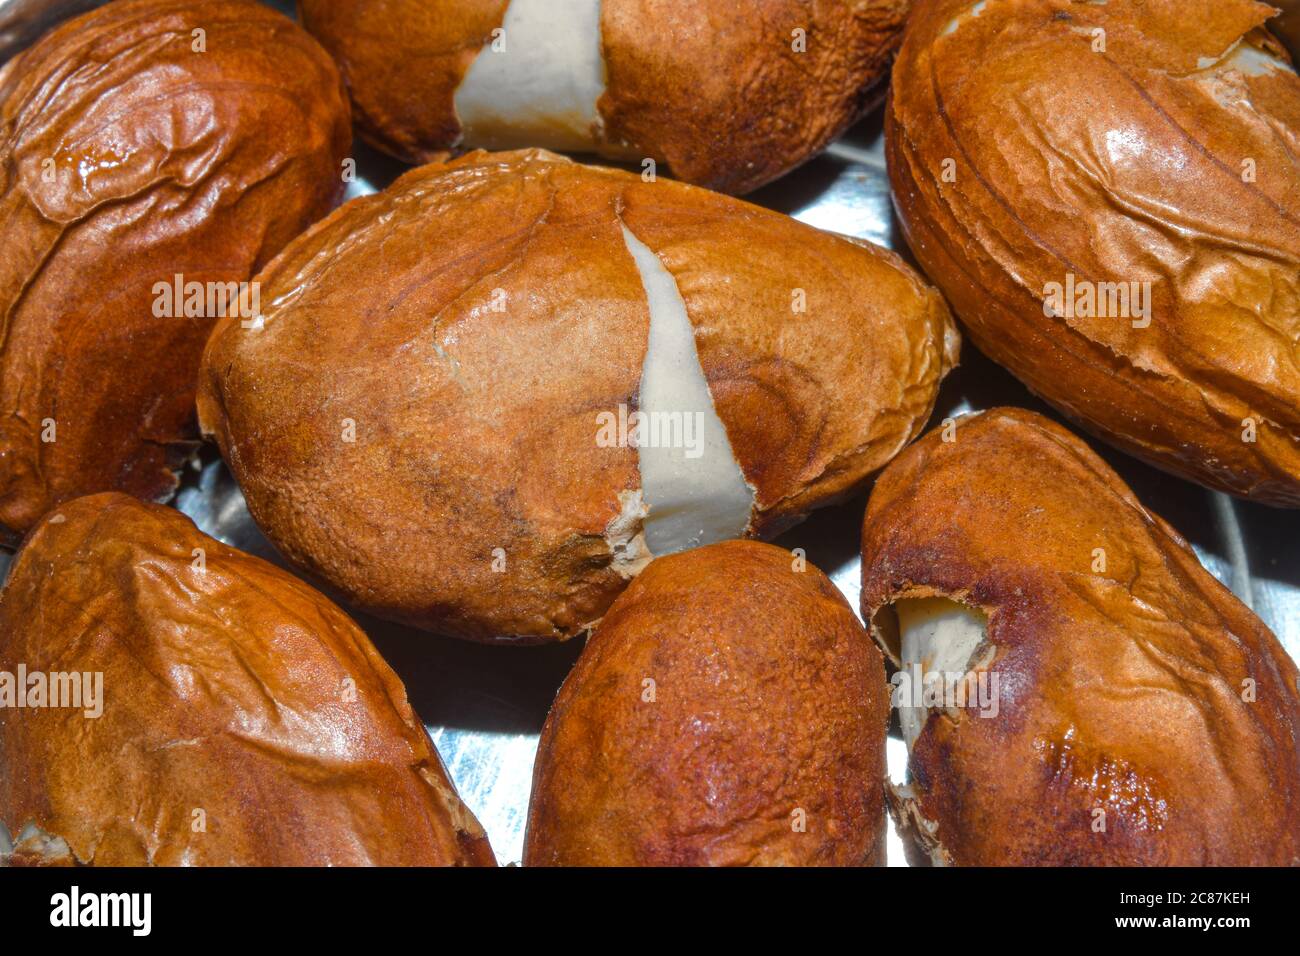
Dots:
pixel 626 537
pixel 35 844
pixel 1242 56
pixel 941 636
pixel 690 480
pixel 539 87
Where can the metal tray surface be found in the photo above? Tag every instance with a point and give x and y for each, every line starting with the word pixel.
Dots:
pixel 484 706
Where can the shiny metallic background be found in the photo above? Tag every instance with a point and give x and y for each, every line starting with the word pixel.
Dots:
pixel 484 706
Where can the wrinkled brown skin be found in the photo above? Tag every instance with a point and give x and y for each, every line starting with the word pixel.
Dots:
pixel 167 161
pixel 475 429
pixel 768 697
pixel 225 689
pixel 403 61
pixel 1120 690
pixel 1122 166
pixel 716 91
